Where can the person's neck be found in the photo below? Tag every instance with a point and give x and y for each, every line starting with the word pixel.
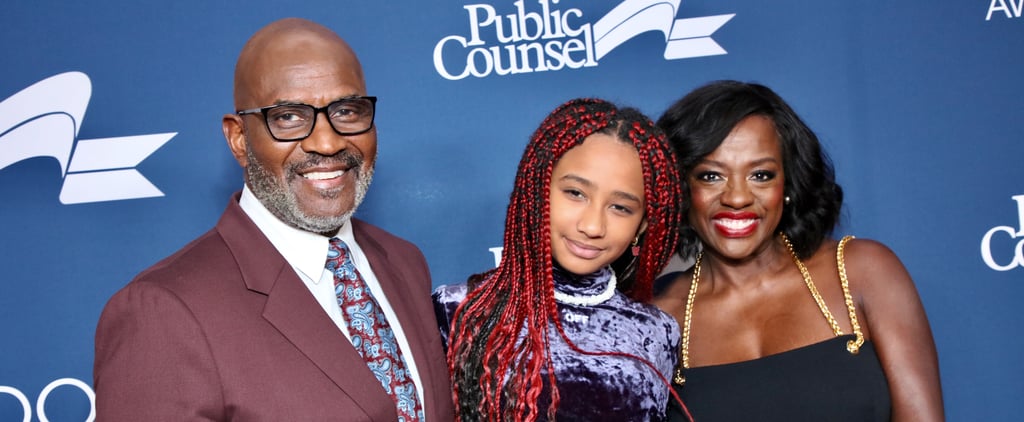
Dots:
pixel 721 272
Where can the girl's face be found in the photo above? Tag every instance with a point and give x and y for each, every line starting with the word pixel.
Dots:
pixel 738 189
pixel 597 203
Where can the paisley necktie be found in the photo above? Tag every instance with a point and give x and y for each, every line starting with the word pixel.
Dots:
pixel 370 333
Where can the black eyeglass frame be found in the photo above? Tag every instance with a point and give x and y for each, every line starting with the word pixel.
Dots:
pixel 316 111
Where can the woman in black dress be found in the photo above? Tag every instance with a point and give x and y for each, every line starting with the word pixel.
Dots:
pixel 780 321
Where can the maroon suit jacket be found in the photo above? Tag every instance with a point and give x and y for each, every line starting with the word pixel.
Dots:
pixel 224 330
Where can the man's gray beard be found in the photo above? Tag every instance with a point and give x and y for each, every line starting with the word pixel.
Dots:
pixel 280 201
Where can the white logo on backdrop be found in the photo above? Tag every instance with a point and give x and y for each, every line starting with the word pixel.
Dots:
pixel 26 406
pixel 1018 233
pixel 43 121
pixel 550 39
pixel 496 251
pixel 1009 8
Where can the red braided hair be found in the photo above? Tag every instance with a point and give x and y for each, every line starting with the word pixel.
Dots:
pixel 499 338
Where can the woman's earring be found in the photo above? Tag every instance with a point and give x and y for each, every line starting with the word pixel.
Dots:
pixel 636 247
pixel 785 200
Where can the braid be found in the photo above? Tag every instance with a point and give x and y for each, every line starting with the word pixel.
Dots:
pixel 662 193
pixel 499 350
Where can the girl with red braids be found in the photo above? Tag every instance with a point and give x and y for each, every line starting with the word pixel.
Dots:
pixel 561 328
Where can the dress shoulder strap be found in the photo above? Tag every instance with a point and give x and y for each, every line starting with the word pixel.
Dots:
pixel 853 346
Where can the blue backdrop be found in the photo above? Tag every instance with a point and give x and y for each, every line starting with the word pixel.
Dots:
pixel 111 153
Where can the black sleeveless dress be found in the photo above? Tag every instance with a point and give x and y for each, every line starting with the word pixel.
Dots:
pixel 819 382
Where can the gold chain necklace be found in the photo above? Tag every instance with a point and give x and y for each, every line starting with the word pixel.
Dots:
pixel 853 346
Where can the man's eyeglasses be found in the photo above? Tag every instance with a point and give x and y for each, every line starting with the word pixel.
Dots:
pixel 295 122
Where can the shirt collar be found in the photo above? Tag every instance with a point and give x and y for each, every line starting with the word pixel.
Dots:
pixel 305 251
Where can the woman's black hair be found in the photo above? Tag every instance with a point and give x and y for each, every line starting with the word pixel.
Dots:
pixel 698 123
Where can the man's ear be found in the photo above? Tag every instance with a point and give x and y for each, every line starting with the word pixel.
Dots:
pixel 234 134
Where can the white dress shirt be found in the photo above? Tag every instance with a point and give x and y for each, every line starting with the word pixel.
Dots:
pixel 307 254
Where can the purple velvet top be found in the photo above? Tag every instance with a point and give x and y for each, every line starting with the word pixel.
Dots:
pixel 597 388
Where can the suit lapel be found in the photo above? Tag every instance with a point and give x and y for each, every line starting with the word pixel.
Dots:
pixel 413 309
pixel 396 289
pixel 293 311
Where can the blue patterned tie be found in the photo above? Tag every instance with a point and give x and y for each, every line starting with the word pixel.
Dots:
pixel 371 334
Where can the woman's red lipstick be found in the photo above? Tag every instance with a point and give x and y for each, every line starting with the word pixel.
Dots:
pixel 735 224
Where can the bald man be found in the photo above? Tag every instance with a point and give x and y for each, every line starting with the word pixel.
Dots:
pixel 259 319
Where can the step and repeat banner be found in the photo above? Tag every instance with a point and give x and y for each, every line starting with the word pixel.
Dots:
pixel 112 157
